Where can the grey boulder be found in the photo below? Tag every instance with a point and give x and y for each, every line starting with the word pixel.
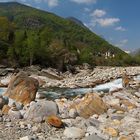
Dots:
pixel 41 109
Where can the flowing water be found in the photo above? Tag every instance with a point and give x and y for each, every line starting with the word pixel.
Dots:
pixel 54 93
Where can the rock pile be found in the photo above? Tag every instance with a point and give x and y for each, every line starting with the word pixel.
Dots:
pixel 106 116
pixel 83 77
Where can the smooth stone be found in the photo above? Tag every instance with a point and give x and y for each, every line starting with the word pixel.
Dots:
pixel 94 137
pixel 28 138
pixel 114 102
pixel 1 119
pixel 5 109
pixel 111 131
pixel 41 109
pixel 74 133
pixel 90 104
pixel 93 122
pixel 29 126
pixel 35 129
pixel 137 94
pixel 125 138
pixel 22 88
pixel 137 134
pixel 73 113
pixel 14 114
pixel 117 116
pixel 54 121
pixel 92 130
pixel 3 102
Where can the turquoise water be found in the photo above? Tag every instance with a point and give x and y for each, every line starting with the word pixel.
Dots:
pixel 2 90
pixel 54 93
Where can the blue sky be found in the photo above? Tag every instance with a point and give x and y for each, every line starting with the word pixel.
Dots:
pixel 115 20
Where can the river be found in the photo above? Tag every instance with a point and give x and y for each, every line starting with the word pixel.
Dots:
pixel 54 93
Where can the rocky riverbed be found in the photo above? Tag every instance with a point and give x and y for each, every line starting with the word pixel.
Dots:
pixel 114 115
pixel 83 77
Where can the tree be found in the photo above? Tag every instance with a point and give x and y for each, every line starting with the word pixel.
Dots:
pixel 6 29
pixel 18 51
pixel 33 43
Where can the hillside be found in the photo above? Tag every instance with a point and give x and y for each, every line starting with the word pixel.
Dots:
pixel 31 36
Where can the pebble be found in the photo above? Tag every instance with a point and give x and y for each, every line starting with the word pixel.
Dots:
pixel 74 133
pixel 73 113
pixel 94 137
pixel 111 131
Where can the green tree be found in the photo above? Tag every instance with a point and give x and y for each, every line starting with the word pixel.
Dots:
pixel 33 43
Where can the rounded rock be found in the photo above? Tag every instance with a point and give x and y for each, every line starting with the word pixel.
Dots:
pixel 74 133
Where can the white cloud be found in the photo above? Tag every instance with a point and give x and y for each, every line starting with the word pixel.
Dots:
pixel 104 22
pixel 51 3
pixel 99 17
pixel 120 28
pixel 122 43
pixel 84 1
pixel 98 13
pixel 87 9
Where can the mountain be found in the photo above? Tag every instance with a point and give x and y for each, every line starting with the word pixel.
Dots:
pixel 32 36
pixel 77 21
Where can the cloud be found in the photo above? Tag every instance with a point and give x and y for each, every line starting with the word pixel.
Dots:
pixel 122 43
pixel 98 13
pixel 104 22
pixel 120 28
pixel 51 3
pixel 84 1
pixel 87 9
pixel 99 17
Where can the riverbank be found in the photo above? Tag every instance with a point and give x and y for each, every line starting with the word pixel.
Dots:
pixel 83 78
pixel 113 115
pixel 99 116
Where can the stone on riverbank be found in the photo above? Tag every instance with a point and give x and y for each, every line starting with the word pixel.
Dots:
pixel 22 88
pixel 5 109
pixel 91 104
pixel 54 121
pixel 3 102
pixel 41 109
pixel 74 133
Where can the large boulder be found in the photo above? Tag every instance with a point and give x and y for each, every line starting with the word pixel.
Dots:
pixel 38 111
pixel 22 88
pixel 91 104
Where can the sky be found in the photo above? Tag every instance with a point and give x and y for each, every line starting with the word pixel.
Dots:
pixel 117 21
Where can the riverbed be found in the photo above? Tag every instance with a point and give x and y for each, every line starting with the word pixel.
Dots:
pixel 55 93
